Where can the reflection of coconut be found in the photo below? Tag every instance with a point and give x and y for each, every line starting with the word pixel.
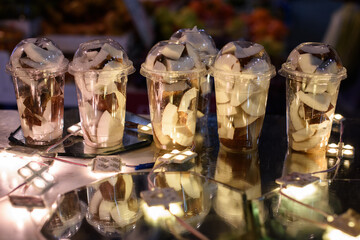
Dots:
pixel 67 219
pixel 239 170
pixel 113 206
pixel 194 194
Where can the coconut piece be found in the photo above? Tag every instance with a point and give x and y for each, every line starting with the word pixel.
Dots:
pixel 226 129
pixel 190 185
pixel 223 85
pixel 228 62
pixel 255 105
pixel 90 79
pixel 164 140
pixel 114 52
pixel 306 145
pixel 199 114
pixel 181 64
pixel 169 119
pixel 242 119
pixel 303 134
pixel 256 65
pixel 315 88
pixel 150 62
pixel 225 109
pixel 172 51
pixel 173 180
pixel 38 54
pixel 318 102
pixel 182 139
pixel 187 123
pixel 121 214
pixel 249 51
pixel 187 98
pixel 319 49
pixel 105 208
pixel 95 202
pixel 222 97
pixel 241 93
pixel 129 184
pixel 109 128
pixel 158 66
pixel 308 63
pixel 229 48
pixel 193 55
pixel 328 67
pixel 297 122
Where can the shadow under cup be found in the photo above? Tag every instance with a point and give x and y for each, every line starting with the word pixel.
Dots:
pixel 40 102
pixel 240 108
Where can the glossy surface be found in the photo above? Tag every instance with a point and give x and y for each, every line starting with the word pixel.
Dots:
pixel 267 215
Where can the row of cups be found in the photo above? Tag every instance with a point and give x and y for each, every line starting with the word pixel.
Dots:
pixel 178 73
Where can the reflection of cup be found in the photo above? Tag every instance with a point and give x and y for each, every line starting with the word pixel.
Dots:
pixel 239 170
pixel 242 73
pixel 38 69
pixel 101 68
pixel 113 207
pixel 313 73
pixel 173 70
pixel 194 193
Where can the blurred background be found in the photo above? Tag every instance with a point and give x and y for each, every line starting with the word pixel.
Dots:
pixel 279 25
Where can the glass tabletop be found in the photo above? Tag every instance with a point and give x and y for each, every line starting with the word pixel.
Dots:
pixel 222 195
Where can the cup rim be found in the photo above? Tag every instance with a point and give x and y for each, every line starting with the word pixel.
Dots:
pixel 16 71
pixel 268 74
pixel 128 69
pixel 287 72
pixel 171 74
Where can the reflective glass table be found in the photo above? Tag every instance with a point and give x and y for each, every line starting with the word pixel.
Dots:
pixel 220 195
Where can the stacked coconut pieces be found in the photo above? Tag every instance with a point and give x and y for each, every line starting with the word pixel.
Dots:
pixel 205 46
pixel 191 191
pixel 178 98
pixel 98 77
pixel 313 103
pixel 36 63
pixel 114 201
pixel 240 100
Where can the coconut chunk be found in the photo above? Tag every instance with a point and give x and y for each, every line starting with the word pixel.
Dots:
pixel 242 119
pixel 181 64
pixel 173 51
pixel 222 97
pixel 303 134
pixel 158 66
pixel 225 109
pixel 190 185
pixel 308 63
pixel 109 129
pixel 255 105
pixel 169 119
pixel 228 62
pixel 297 122
pixel 105 209
pixel 121 214
pixel 318 102
pixel 173 180
pixel 187 98
pixel 114 52
pixel 95 202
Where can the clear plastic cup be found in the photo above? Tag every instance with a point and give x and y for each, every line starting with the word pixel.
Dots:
pixel 38 71
pixel 242 73
pixel 205 46
pixel 313 74
pixel 173 70
pixel 113 206
pixel 101 69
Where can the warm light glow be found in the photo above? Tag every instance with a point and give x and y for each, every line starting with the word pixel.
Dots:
pixel 158 214
pixel 332 151
pixel 175 151
pixel 348 152
pixel 338 117
pixel 145 128
pixel 48 177
pixel 300 193
pixel 38 214
pixel 25 172
pixel 334 234
pixel 34 166
pixel 39 183
pixel 332 145
pixel 167 155
pixel 188 153
pixel 179 157
pixel 347 146
pixel 346 163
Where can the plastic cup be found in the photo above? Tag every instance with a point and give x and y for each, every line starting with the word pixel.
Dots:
pixel 242 73
pixel 101 69
pixel 205 46
pixel 38 71
pixel 173 70
pixel 313 74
